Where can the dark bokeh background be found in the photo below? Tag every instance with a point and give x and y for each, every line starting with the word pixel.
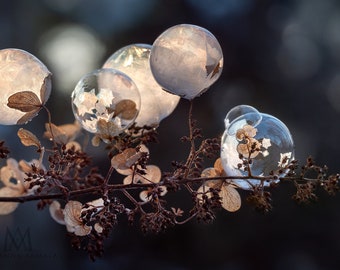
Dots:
pixel 283 57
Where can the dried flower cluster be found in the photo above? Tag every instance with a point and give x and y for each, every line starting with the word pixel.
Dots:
pixel 69 179
pixel 89 202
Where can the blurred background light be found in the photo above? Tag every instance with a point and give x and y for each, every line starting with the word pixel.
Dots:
pixel 70 51
pixel 298 57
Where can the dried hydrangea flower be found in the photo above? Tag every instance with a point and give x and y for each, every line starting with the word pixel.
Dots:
pixel 230 197
pixel 73 221
pixel 13 177
pixel 152 175
pixel 71 216
pixel 248 146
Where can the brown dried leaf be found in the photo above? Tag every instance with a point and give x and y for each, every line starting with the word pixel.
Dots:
pixel 25 101
pixel 126 108
pixel 231 199
pixel 27 138
pixel 28 117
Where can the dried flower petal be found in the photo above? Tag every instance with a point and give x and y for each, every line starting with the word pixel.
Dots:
pixel 25 101
pixel 95 140
pixel 55 133
pixel 125 159
pixel 71 131
pixel 57 213
pixel 250 149
pixel 208 172
pixel 8 207
pixel 203 190
pixel 164 190
pixel 98 228
pixel 82 230
pixel 27 138
pixel 231 199
pixel 126 109
pixel 72 217
pixel 12 177
pixel 73 145
pixel 153 174
pixel 219 168
pixel 145 195
pixel 107 129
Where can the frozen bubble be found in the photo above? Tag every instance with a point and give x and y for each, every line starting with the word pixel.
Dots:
pixel 21 71
pixel 186 60
pixel 267 142
pixel 240 116
pixel 156 104
pixel 106 95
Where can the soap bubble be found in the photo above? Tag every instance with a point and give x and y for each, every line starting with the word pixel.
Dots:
pixel 255 136
pixel 105 96
pixel 25 85
pixel 186 60
pixel 156 104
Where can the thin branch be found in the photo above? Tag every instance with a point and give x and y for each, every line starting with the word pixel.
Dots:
pixel 120 187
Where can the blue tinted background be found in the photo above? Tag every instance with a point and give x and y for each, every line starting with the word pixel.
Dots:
pixel 282 57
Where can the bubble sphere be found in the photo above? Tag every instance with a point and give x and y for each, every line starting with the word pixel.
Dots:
pixel 156 104
pixel 23 78
pixel 259 137
pixel 186 60
pixel 105 96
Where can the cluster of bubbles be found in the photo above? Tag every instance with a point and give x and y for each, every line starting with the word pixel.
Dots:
pixel 141 84
pixel 256 144
pixel 182 62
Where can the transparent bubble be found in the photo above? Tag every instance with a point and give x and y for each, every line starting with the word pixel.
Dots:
pixel 241 115
pixel 257 136
pixel 106 96
pixel 186 60
pixel 156 104
pixel 21 73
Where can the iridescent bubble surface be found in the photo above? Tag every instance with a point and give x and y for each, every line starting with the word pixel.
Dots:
pixel 106 96
pixel 186 60
pixel 257 136
pixel 156 104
